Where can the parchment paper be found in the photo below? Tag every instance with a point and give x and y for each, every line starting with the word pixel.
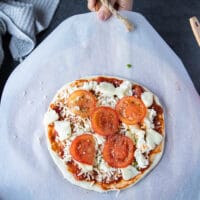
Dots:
pixel 83 46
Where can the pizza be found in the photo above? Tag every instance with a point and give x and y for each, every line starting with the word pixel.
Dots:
pixel 105 133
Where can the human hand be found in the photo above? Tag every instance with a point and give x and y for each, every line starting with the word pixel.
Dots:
pixel 103 12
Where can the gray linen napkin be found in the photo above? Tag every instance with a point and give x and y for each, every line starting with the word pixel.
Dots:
pixel 23 19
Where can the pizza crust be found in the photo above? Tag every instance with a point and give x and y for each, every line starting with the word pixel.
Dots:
pixel 154 158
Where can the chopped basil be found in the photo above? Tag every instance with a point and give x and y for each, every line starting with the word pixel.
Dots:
pixel 135 164
pixel 129 65
pixel 136 139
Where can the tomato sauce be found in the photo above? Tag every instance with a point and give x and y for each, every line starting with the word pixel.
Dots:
pixel 114 81
pixel 137 91
pixel 158 120
pixel 73 168
pixel 56 146
pixel 57 109
pixel 106 185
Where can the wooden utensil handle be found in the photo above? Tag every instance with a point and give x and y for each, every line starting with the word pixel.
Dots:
pixel 195 28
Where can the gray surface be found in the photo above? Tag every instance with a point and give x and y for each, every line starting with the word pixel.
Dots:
pixel 169 18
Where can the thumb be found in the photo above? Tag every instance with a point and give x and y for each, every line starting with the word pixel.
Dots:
pixel 104 12
pixel 125 4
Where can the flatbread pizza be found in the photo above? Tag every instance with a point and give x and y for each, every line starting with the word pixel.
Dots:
pixel 105 133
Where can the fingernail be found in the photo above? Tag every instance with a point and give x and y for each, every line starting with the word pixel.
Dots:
pixel 101 15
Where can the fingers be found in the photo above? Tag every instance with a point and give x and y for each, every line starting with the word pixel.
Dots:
pixel 104 13
pixel 125 4
pixel 91 5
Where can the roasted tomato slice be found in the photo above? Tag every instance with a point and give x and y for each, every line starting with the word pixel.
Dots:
pixel 105 121
pixel 131 110
pixel 118 151
pixel 82 102
pixel 82 149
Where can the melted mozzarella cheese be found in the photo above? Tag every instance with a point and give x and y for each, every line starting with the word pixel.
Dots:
pixel 148 120
pixel 125 89
pixel 108 89
pixel 50 117
pixel 147 98
pixel 141 160
pixel 153 138
pixel 148 123
pixel 63 129
pixel 130 135
pixel 84 167
pixel 129 172
pixel 133 128
pixel 151 114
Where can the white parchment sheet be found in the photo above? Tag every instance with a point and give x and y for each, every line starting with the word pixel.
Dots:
pixel 84 46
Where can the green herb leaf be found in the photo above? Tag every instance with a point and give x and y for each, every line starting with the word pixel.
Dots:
pixel 135 164
pixel 129 65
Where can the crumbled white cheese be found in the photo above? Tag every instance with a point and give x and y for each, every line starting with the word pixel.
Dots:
pixel 103 166
pixel 104 171
pixel 63 129
pixel 100 139
pixel 107 101
pixel 129 172
pixel 141 160
pixel 71 89
pixel 67 154
pixel 125 89
pixel 147 98
pixel 67 158
pixel 80 125
pixel 153 138
pixel 50 117
pixel 140 141
pixel 91 85
pixel 84 167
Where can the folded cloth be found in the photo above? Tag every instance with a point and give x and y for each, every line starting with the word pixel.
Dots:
pixel 23 19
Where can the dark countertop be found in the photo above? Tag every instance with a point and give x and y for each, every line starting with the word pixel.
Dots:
pixel 169 18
